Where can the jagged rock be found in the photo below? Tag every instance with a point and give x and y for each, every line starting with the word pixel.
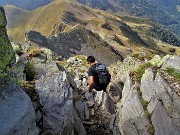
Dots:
pixel 17 113
pixel 171 61
pixel 148 86
pixel 80 108
pixel 55 96
pixel 163 124
pixel 131 117
pixel 108 104
pixel 78 124
pixel 164 103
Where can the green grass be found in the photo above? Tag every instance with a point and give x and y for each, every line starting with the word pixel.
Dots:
pixel 173 72
pixel 151 129
pixel 137 73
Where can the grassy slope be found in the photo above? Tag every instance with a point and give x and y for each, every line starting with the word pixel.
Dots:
pixel 42 19
pixel 132 32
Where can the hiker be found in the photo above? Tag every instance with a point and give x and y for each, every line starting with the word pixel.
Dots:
pixel 98 74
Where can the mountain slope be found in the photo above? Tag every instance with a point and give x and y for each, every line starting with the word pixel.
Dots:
pixel 159 11
pixel 68 23
pixel 26 4
pixel 42 19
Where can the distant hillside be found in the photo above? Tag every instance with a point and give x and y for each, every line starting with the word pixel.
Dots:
pixel 68 23
pixel 26 4
pixel 161 11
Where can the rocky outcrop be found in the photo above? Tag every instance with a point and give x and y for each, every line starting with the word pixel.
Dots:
pixel 56 98
pixel 131 118
pixel 17 113
pixel 150 106
pixel 164 107
pixel 171 61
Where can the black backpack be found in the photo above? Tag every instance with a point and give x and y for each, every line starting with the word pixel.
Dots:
pixel 103 74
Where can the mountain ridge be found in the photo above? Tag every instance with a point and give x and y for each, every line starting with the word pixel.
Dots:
pixel 26 4
pixel 143 8
pixel 125 34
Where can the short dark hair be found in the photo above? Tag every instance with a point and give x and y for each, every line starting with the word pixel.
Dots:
pixel 90 59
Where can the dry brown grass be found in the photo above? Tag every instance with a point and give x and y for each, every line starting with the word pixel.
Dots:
pixel 42 20
pixel 34 51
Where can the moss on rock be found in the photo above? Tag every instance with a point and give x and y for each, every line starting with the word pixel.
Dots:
pixel 6 51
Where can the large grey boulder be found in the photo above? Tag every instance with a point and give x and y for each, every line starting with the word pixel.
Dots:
pixel 131 119
pixel 171 61
pixel 163 124
pixel 55 96
pixel 17 116
pixel 170 112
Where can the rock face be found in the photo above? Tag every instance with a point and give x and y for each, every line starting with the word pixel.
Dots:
pixel 131 119
pixel 168 108
pixel 150 106
pixel 17 113
pixel 171 61
pixel 55 96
